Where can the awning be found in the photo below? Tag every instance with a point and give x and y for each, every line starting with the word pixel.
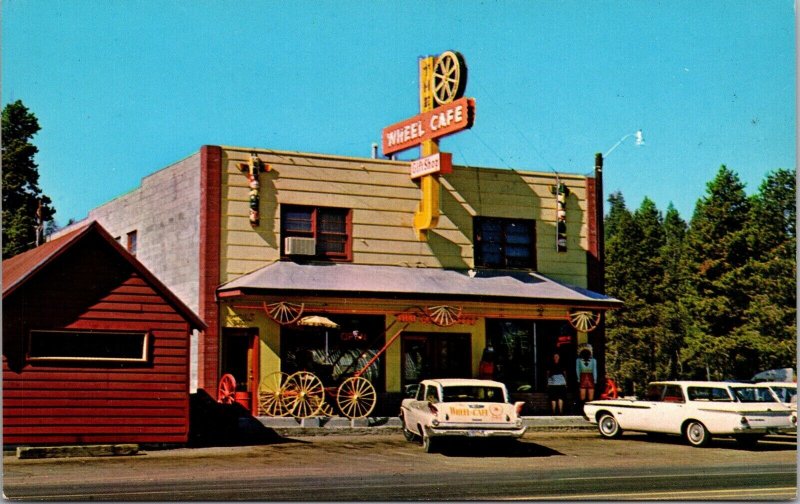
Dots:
pixel 288 277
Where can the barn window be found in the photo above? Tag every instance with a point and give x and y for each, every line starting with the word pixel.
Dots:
pixel 89 346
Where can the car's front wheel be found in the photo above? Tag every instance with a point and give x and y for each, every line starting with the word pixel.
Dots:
pixel 608 426
pixel 697 434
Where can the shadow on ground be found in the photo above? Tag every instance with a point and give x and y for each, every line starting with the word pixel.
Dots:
pixel 494 448
pixel 215 424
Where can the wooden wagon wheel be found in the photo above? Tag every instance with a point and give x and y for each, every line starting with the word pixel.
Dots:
pixel 304 394
pixel 443 315
pixel 284 313
pixel 584 321
pixel 272 395
pixel 226 391
pixel 326 410
pixel 449 77
pixel 356 397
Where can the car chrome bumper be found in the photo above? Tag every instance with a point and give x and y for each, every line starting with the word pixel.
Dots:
pixel 475 432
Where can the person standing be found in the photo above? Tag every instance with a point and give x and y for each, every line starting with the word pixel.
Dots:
pixel 556 385
pixel 586 369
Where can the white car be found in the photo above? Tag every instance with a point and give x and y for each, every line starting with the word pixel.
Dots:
pixel 460 407
pixel 697 410
pixel 785 391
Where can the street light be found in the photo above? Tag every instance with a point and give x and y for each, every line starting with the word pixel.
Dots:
pixel 637 134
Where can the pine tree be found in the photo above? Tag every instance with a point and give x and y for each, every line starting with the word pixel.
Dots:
pixel 22 197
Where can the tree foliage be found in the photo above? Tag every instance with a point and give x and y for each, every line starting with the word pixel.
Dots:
pixel 21 193
pixel 711 299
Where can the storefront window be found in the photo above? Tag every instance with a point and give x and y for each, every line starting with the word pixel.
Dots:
pixel 522 350
pixel 336 354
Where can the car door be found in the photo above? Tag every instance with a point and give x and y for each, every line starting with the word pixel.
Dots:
pixel 641 416
pixel 669 413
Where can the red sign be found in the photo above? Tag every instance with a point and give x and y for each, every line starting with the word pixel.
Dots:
pixel 441 162
pixel 439 122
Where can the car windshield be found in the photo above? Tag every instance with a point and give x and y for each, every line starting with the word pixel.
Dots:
pixel 465 393
pixel 753 394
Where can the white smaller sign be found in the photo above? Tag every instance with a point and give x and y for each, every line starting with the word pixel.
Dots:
pixel 441 162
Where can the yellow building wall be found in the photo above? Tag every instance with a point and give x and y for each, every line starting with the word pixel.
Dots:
pixel 383 200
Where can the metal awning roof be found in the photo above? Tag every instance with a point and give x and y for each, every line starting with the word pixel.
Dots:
pixel 356 279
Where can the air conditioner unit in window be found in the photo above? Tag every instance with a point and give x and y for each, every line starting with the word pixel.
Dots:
pixel 295 245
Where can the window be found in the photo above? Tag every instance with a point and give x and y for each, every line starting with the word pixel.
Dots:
pixel 465 393
pixel 132 242
pixel 331 227
pixel 88 346
pixel 708 394
pixel 504 243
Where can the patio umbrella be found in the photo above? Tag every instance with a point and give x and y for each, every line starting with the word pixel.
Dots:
pixel 318 321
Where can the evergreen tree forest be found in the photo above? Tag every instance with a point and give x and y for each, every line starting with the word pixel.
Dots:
pixel 26 210
pixel 710 299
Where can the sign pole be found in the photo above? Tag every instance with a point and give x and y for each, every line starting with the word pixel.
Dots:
pixel 427 216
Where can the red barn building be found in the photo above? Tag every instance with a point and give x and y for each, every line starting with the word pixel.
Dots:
pixel 95 348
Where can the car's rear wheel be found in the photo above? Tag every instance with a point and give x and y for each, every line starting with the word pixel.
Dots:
pixel 696 434
pixel 608 426
pixel 406 432
pixel 428 443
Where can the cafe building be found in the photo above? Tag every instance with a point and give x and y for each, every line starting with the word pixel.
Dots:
pixel 385 270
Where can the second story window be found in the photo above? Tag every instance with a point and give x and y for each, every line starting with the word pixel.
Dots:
pixel 330 228
pixel 504 243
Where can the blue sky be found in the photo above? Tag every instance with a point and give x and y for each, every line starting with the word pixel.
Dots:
pixel 124 88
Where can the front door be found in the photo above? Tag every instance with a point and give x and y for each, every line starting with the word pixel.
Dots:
pixel 240 359
pixel 435 355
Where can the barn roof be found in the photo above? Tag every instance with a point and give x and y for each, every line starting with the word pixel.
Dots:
pixel 23 267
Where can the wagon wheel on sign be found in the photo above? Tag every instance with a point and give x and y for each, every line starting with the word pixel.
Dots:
pixel 356 397
pixel 226 391
pixel 449 77
pixel 284 313
pixel 443 315
pixel 304 394
pixel 272 395
pixel 584 321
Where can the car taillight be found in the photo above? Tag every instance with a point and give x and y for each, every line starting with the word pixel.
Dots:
pixel 518 407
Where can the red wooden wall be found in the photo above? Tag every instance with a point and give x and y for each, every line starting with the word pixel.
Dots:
pixel 90 287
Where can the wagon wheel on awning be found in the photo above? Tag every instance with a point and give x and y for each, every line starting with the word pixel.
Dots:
pixel 304 394
pixel 226 390
pixel 443 315
pixel 584 320
pixel 283 312
pixel 356 397
pixel 272 395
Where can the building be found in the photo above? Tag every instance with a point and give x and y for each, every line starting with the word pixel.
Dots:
pixel 95 348
pixel 256 239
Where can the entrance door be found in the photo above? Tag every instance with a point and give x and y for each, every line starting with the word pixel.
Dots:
pixel 240 359
pixel 435 355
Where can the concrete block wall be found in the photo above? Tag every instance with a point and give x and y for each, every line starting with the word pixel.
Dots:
pixel 165 213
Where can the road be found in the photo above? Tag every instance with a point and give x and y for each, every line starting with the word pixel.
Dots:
pixel 570 465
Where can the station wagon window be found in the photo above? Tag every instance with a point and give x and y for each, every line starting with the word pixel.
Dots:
pixel 673 393
pixel 753 394
pixel 504 243
pixel 432 394
pixel 87 346
pixel 708 394
pixel 466 393
pixel 330 227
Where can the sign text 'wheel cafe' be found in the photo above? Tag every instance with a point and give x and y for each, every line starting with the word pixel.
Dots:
pixel 455 113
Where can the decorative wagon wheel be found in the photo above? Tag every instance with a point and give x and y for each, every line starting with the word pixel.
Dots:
pixel 272 395
pixel 584 321
pixel 326 410
pixel 356 397
pixel 304 394
pixel 449 77
pixel 443 315
pixel 226 391
pixel 284 313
